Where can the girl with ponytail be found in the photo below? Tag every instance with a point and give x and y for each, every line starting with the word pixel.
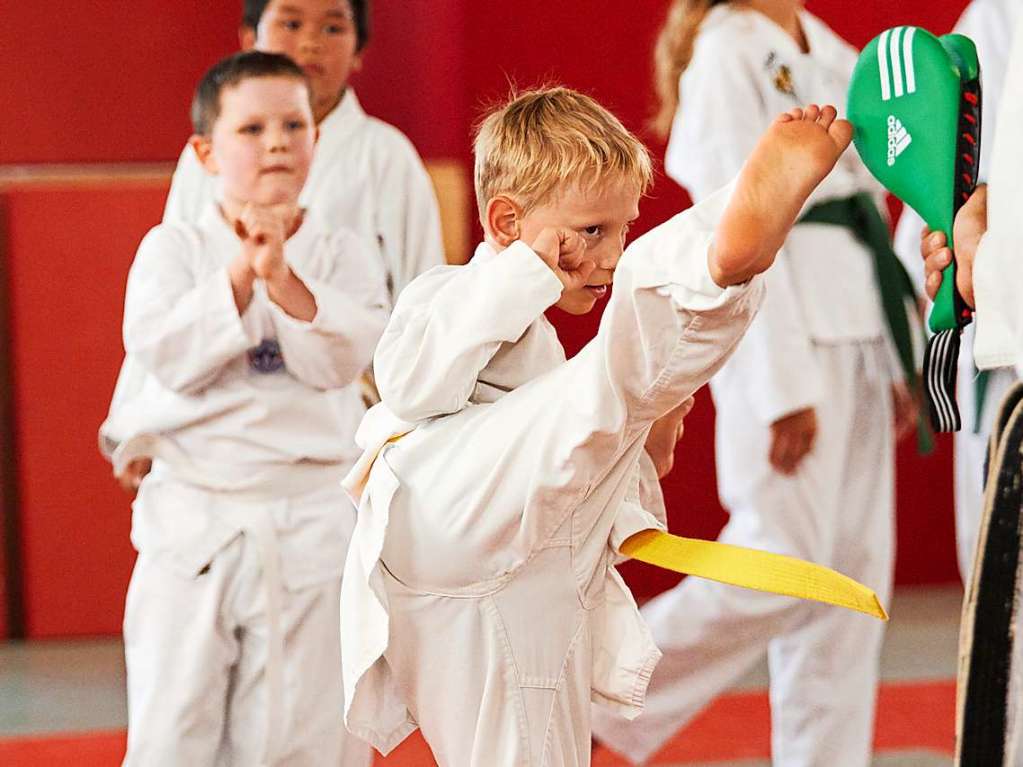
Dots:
pixel 672 52
pixel 805 407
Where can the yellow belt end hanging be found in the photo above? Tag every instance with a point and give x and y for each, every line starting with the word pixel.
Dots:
pixel 752 569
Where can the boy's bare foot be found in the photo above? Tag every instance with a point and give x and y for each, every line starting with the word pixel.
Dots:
pixel 790 160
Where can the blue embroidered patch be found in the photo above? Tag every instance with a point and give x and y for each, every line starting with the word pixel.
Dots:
pixel 266 358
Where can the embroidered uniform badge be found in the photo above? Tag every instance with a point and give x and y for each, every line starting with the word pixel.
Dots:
pixel 781 76
pixel 783 81
pixel 266 358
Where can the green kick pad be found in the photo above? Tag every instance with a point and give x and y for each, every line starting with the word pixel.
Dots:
pixel 914 102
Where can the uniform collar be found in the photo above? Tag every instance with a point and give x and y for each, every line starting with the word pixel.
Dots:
pixel 345 118
pixel 768 30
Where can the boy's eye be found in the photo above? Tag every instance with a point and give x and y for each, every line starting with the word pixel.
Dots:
pixel 295 124
pixel 292 25
pixel 593 231
pixel 337 29
pixel 251 129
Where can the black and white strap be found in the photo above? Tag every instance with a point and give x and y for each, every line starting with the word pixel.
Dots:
pixel 986 690
pixel 940 363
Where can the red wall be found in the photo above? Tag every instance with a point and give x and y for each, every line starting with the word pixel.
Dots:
pixel 115 87
pixel 67 277
pixel 100 81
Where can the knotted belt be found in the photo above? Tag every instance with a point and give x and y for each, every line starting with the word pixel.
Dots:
pixel 733 565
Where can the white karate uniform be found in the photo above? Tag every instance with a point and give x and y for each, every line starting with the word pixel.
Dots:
pixel 470 334
pixel 366 176
pixel 997 281
pixel 818 342
pixel 231 637
pixel 989 23
pixel 997 269
pixel 480 600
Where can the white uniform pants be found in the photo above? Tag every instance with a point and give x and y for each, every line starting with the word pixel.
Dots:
pixel 499 679
pixel 197 650
pixel 837 511
pixel 971 452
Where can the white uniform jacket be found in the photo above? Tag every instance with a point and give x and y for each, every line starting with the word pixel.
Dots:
pixel 459 505
pixel 366 176
pixel 998 271
pixel 470 334
pixel 256 402
pixel 745 55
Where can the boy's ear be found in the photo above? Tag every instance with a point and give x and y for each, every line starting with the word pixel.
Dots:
pixel 503 220
pixel 246 38
pixel 203 148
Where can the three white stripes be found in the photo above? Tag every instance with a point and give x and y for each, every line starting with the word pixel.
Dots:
pixel 895 62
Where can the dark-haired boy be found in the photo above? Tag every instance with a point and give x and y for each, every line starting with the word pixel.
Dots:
pixel 366 175
pixel 250 327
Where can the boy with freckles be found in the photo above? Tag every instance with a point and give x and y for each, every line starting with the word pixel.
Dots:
pixel 251 326
pixel 480 600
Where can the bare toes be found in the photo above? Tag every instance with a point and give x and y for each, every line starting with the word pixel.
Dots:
pixel 796 113
pixel 841 132
pixel 827 116
pixel 811 112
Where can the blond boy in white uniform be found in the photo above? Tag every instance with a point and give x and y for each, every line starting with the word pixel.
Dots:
pixel 804 429
pixel 250 326
pixel 480 601
pixel 989 23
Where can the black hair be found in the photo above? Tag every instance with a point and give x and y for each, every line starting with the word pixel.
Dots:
pixel 252 12
pixel 231 71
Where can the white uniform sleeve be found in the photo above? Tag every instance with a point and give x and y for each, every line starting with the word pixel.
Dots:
pixel 722 117
pixel 998 270
pixel 540 450
pixel 642 508
pixel 351 310
pixel 192 190
pixel 668 326
pixel 409 218
pixel 775 364
pixel 182 326
pixel 450 322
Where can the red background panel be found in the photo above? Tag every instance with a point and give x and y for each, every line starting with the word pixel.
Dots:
pixel 67 276
pixel 112 82
pixel 103 81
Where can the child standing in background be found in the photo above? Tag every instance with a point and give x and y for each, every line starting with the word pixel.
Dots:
pixel 250 326
pixel 807 408
pixel 366 176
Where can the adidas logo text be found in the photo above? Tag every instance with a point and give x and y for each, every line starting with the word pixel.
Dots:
pixel 898 139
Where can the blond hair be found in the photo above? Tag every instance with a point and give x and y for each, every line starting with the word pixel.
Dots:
pixel 542 140
pixel 672 53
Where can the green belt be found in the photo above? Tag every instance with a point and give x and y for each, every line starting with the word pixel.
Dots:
pixel 980 382
pixel 860 216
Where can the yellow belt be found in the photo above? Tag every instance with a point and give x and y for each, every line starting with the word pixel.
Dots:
pixel 752 569
pixel 748 568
